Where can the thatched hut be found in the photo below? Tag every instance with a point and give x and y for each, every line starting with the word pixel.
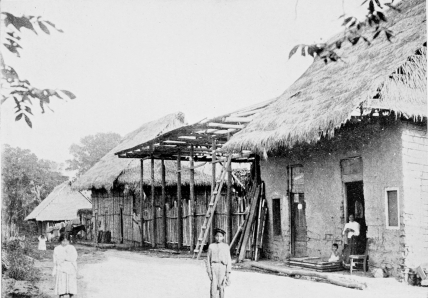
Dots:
pixel 350 137
pixel 60 205
pixel 118 204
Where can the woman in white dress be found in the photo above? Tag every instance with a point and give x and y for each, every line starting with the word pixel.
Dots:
pixel 42 244
pixel 65 267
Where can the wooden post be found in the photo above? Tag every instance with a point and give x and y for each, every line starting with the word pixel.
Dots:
pixel 152 165
pixel 192 201
pixel 141 200
pixel 213 183
pixel 179 205
pixel 163 203
pixel 229 203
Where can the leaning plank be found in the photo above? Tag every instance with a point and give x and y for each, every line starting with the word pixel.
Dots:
pixel 249 224
pixel 328 277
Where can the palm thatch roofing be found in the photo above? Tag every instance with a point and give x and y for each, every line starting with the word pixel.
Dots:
pixel 385 75
pixel 110 168
pixel 61 204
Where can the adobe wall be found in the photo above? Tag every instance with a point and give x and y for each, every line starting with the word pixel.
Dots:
pixel 414 241
pixel 380 148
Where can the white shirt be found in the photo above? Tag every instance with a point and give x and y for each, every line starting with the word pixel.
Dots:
pixel 354 226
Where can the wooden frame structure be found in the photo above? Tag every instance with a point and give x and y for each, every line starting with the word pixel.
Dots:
pixel 199 142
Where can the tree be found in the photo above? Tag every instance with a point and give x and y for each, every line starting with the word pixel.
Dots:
pixel 353 32
pixel 27 181
pixel 90 150
pixel 13 87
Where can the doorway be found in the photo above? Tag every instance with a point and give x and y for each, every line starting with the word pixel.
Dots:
pixel 356 206
pixel 299 234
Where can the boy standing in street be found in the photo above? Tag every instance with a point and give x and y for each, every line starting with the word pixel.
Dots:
pixel 219 264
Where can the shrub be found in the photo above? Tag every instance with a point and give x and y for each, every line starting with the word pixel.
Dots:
pixel 21 266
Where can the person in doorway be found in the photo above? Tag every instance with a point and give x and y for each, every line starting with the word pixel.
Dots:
pixel 335 255
pixel 351 231
pixel 42 244
pixel 65 267
pixel 219 264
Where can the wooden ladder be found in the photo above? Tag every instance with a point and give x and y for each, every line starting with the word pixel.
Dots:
pixel 215 196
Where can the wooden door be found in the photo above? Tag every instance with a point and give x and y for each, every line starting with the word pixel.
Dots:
pixel 298 226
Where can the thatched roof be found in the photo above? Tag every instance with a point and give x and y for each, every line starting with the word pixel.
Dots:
pixel 131 175
pixel 61 204
pixel 325 96
pixel 105 172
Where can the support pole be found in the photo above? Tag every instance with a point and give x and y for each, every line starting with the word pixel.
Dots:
pixel 213 183
pixel 229 203
pixel 179 204
pixel 229 200
pixel 192 201
pixel 141 201
pixel 152 165
pixel 163 202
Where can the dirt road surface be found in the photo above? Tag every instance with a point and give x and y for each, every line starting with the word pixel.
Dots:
pixel 125 274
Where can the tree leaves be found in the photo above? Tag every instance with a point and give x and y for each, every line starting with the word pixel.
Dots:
pixel 69 94
pixel 43 27
pixel 353 32
pixel 293 51
pixel 90 150
pixel 22 91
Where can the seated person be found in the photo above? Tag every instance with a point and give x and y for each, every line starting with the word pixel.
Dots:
pixel 335 255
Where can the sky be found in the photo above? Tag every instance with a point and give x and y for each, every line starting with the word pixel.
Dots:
pixel 130 62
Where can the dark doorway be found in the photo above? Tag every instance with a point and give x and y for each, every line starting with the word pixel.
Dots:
pixel 356 206
pixel 299 234
pixel 121 225
pixel 299 238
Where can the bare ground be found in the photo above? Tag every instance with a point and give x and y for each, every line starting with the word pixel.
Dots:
pixel 121 273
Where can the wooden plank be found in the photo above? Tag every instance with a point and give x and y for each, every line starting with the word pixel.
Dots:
pixel 192 201
pixel 340 281
pixel 164 240
pixel 248 227
pixel 239 119
pixel 179 204
pixel 224 125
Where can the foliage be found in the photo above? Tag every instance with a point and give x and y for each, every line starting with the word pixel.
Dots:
pixel 352 33
pixel 90 150
pixel 13 87
pixel 27 181
pixel 21 265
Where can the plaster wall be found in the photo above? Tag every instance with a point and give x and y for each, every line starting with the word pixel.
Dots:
pixel 415 193
pixel 379 145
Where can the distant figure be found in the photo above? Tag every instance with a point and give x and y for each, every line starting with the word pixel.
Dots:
pixel 65 267
pixel 219 264
pixel 335 255
pixel 42 244
pixel 351 232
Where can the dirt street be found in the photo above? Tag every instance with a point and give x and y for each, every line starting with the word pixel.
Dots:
pixel 129 274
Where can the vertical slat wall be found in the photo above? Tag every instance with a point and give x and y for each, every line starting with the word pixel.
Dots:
pixel 113 201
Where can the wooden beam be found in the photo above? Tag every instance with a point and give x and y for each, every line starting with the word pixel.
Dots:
pixel 141 201
pixel 223 125
pixel 152 172
pixel 192 201
pixel 163 203
pixel 179 203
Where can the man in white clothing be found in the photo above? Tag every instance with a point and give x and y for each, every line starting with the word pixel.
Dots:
pixel 352 231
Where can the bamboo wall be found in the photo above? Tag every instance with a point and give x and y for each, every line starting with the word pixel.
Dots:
pixel 108 206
